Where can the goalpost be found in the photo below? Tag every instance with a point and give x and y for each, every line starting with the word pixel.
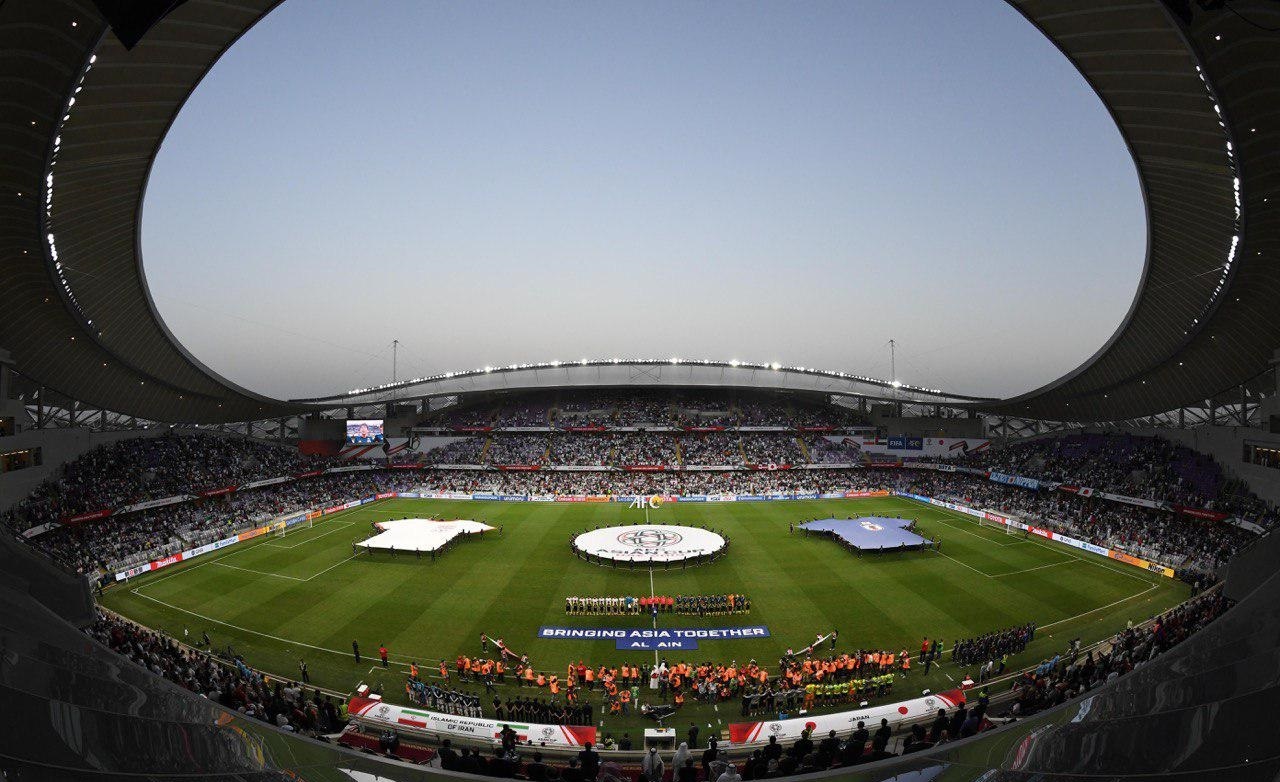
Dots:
pixel 1005 528
pixel 281 529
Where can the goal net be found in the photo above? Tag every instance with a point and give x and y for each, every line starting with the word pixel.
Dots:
pixel 997 525
pixel 281 528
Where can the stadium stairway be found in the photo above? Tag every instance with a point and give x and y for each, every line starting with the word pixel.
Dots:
pixel 484 450
pixel 804 448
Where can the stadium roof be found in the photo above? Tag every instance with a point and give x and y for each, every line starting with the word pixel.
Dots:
pixel 646 373
pixel 1193 93
pixel 1196 96
pixel 82 121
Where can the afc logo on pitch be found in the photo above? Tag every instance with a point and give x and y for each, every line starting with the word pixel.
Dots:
pixel 649 538
pixel 652 502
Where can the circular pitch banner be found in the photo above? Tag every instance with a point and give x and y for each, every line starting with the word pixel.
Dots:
pixel 649 543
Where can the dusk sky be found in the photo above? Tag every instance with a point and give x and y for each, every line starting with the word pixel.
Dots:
pixel 500 182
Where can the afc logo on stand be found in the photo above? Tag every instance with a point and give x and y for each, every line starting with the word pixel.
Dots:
pixel 649 538
pixel 652 502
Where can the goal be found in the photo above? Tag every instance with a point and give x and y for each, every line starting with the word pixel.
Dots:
pixel 996 525
pixel 281 529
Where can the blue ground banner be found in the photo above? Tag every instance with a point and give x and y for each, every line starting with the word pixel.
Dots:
pixel 869 533
pixel 627 638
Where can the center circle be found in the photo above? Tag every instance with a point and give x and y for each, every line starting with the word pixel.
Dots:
pixel 649 543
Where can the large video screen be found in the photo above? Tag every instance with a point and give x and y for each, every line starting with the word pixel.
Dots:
pixel 364 431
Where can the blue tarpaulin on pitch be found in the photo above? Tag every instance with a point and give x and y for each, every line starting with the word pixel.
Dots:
pixel 869 533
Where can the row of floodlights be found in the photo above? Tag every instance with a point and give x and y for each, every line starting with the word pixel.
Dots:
pixel 1225 268
pixel 775 366
pixel 58 268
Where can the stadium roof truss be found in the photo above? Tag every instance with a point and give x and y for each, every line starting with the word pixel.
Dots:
pixel 1190 85
pixel 49 409
pixel 647 373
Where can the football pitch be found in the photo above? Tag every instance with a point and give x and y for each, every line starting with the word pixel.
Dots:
pixel 307 596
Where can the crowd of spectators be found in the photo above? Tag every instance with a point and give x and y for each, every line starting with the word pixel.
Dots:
pixel 757 482
pixel 772 449
pixel 585 450
pixel 517 449
pixel 117 542
pixel 466 450
pixel 824 451
pixel 230 682
pixel 714 448
pixel 620 449
pixel 645 450
pixel 612 409
pixel 140 469
pixel 1174 539
pixel 1063 677
pixel 147 468
pixel 1145 467
pixel 655 408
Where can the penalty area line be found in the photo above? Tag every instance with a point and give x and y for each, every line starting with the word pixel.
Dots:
pixel 1095 610
pixel 963 564
pixel 258 572
pixel 1032 569
pixel 983 538
pixel 182 571
pixel 281 575
pixel 331 567
pixel 1061 549
pixel 345 525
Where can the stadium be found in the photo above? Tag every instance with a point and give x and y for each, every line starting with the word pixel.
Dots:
pixel 640 569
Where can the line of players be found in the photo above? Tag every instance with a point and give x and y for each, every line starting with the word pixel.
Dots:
pixel 629 605
pixel 996 645
pixel 442 699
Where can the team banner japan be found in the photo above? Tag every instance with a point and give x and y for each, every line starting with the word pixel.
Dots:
pixel 845 721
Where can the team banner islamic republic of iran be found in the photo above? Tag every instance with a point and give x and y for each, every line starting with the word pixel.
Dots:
pixel 401 717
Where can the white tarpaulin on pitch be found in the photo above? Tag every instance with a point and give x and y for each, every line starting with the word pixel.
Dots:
pixel 420 534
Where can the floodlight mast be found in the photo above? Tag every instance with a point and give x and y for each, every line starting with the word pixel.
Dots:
pixel 893 367
pixel 395 350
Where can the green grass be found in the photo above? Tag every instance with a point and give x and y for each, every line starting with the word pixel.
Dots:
pixel 305 596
